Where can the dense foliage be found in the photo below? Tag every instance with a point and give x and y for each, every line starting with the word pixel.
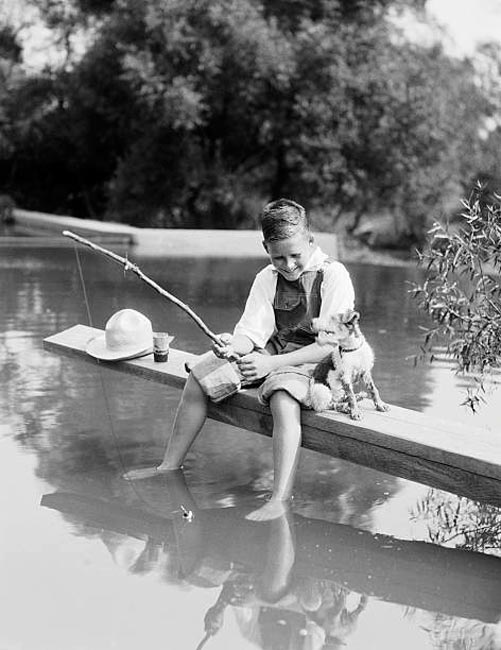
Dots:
pixel 194 112
pixel 461 291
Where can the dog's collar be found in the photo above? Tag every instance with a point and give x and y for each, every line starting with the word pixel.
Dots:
pixel 342 350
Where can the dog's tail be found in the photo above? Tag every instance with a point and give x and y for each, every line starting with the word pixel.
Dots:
pixel 320 396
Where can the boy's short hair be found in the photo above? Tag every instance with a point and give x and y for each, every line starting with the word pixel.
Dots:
pixel 282 219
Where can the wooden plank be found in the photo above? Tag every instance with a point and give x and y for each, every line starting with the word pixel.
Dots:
pixel 412 573
pixel 444 454
pixel 73 342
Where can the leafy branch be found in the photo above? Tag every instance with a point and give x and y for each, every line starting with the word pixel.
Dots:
pixel 461 291
pixel 460 522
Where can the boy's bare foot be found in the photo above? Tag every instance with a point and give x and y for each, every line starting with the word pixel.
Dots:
pixel 147 472
pixel 273 509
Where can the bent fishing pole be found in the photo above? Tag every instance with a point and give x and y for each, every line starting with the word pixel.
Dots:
pixel 129 266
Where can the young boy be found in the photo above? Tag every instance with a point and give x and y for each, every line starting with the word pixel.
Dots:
pixel 274 343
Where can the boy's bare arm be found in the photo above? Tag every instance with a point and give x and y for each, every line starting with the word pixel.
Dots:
pixel 241 344
pixel 312 353
pixel 255 365
pixel 232 346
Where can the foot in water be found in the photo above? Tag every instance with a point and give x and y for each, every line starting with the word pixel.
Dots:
pixel 273 509
pixel 148 472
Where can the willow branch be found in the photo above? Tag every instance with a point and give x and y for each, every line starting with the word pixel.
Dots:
pixel 128 266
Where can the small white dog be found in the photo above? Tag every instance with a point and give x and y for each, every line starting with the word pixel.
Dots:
pixel 350 360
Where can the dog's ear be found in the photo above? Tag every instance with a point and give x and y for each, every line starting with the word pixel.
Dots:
pixel 355 317
pixel 350 317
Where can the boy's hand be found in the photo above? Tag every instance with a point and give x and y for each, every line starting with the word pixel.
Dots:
pixel 255 365
pixel 224 350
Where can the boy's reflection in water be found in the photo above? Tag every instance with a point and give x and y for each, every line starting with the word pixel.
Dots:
pixel 292 622
pixel 253 562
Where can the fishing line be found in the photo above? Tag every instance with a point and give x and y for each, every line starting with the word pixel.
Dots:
pixel 103 383
pixel 199 321
pixel 82 284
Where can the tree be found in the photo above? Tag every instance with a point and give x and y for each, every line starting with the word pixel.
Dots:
pixel 194 113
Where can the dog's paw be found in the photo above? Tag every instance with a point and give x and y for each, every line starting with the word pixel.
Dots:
pixel 382 407
pixel 356 415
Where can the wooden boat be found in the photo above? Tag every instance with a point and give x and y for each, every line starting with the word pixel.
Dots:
pixel 448 455
pixel 410 573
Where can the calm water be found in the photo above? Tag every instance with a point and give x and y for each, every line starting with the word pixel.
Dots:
pixel 92 562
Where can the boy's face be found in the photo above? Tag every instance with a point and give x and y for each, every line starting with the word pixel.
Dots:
pixel 290 256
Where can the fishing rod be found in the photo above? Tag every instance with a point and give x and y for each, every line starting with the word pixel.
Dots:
pixel 129 266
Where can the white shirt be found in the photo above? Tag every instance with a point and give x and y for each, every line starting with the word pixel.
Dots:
pixel 258 320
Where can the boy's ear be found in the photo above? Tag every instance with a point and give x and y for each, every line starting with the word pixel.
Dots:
pixel 265 245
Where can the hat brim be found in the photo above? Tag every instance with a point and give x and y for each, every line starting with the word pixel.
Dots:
pixel 97 348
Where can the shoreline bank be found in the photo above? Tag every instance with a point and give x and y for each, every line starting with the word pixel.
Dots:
pixel 37 229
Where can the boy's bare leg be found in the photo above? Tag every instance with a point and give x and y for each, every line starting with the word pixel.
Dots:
pixel 190 417
pixel 286 413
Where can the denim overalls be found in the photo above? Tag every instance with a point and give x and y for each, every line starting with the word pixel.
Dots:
pixel 295 304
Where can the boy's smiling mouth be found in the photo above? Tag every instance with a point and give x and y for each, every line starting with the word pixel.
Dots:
pixel 291 275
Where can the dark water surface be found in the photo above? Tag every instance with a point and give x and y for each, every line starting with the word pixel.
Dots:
pixel 90 561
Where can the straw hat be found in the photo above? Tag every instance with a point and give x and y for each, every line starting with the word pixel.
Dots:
pixel 128 334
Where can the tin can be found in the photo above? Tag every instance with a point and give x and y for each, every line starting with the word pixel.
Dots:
pixel 161 342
